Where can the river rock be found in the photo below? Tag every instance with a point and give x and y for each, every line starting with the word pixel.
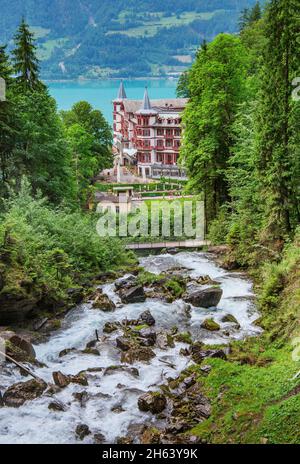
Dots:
pixel 203 298
pixel 189 409
pixel 126 282
pixel 123 343
pixel 19 393
pixel 137 353
pixel 164 340
pixel 82 397
pixel 147 318
pixel 92 351
pixel 211 325
pixel 82 431
pixel 124 440
pixel 155 402
pixel 206 369
pixel 147 337
pixel 133 294
pixel 57 406
pixel 110 327
pixel 103 302
pixel 231 319
pixel 198 353
pixel 128 370
pixel 150 436
pixel 62 380
pixel 18 347
pixel 99 439
pixel 66 351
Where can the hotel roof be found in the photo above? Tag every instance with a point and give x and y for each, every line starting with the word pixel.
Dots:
pixel 162 106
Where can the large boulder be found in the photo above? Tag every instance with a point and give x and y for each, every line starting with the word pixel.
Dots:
pixel 203 298
pixel 134 294
pixel 18 347
pixel 16 306
pixel 19 393
pixel 154 402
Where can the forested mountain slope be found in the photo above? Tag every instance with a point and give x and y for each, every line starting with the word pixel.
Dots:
pixel 130 38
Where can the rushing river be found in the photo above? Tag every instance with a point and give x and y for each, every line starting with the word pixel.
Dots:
pixel 112 405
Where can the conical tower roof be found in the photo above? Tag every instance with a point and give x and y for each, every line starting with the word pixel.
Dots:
pixel 146 105
pixel 121 94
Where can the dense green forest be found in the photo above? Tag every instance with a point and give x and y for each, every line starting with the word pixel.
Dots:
pixel 119 38
pixel 48 242
pixel 242 148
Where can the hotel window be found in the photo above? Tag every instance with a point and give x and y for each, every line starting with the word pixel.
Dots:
pixel 146 133
pixel 169 143
pixel 160 143
pixel 159 158
pixel 169 121
pixel 177 132
pixel 146 122
pixel 177 143
pixel 147 143
pixel 160 132
pixel 169 132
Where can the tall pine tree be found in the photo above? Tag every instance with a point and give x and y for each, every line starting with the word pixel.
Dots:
pixel 278 121
pixel 26 64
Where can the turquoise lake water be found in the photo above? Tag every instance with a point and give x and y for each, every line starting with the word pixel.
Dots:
pixel 101 93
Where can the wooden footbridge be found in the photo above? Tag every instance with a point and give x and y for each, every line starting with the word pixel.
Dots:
pixel 168 245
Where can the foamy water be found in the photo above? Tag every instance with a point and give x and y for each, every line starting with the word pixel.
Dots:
pixel 35 423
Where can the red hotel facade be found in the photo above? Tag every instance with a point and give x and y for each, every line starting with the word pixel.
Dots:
pixel 148 134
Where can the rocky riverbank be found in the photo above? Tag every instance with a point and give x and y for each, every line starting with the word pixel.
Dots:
pixel 121 368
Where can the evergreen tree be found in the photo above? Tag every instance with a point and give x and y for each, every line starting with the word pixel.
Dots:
pixel 217 88
pixel 255 13
pixel 26 64
pixel 8 126
pixel 250 16
pixel 278 122
pixel 5 66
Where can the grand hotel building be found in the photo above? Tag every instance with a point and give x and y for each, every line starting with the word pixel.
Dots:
pixel 147 134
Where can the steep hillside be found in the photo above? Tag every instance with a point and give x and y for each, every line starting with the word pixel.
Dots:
pixel 91 38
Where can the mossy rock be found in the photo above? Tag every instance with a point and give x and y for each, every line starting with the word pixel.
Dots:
pixel 184 337
pixel 211 325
